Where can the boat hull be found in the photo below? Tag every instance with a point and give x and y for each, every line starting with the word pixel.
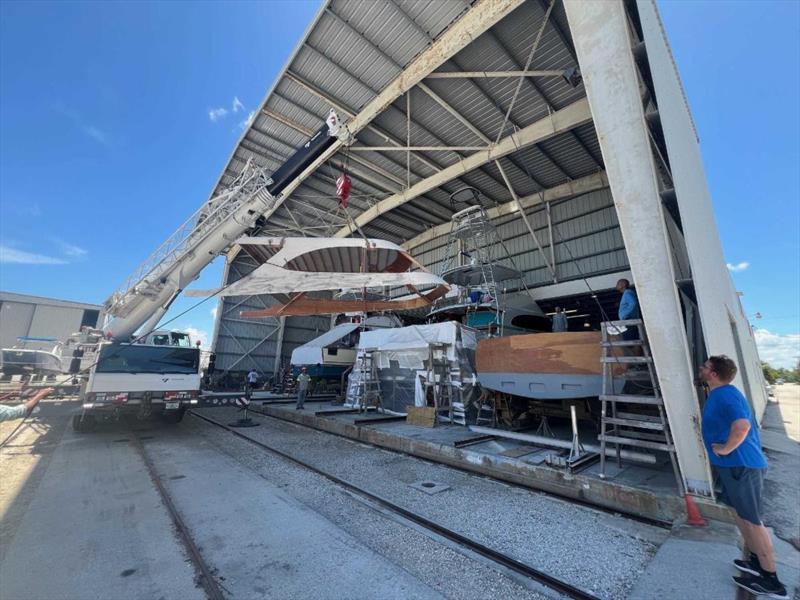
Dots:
pixel 545 366
pixel 20 361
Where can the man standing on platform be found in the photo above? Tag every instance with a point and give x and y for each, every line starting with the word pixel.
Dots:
pixel 302 387
pixel 733 445
pixel 559 320
pixel 252 380
pixel 628 309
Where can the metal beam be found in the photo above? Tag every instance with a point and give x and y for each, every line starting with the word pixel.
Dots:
pixel 475 21
pixel 350 113
pixel 584 185
pixel 554 124
pixel 525 220
pixel 602 39
pixel 308 133
pixel 417 148
pixel 279 348
pixel 491 74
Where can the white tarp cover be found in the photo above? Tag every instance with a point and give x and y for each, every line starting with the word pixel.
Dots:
pixel 311 352
pixel 320 264
pixel 409 345
pixel 271 279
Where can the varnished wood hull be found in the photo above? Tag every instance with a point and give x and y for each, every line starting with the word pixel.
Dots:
pixel 545 366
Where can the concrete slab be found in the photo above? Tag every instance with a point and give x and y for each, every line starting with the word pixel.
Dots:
pixel 95 528
pixel 696 562
pixel 266 543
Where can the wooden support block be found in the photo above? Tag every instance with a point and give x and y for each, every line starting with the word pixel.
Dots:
pixel 421 416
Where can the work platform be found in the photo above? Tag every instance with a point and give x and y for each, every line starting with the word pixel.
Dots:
pixel 647 491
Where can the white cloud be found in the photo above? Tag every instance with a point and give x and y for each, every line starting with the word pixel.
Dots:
pixel 245 122
pixel 214 311
pixel 198 334
pixel 738 267
pixel 88 129
pixel 72 250
pixel 96 134
pixel 237 105
pixel 778 350
pixel 12 256
pixel 215 114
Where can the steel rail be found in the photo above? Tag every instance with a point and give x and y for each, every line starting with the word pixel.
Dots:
pixel 652 521
pixel 496 556
pixel 205 576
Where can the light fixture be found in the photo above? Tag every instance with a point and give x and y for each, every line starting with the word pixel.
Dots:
pixel 572 76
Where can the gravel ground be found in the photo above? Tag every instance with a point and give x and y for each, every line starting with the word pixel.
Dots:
pixel 588 548
pixel 447 570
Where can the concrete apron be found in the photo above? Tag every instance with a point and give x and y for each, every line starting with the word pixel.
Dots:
pixel 605 494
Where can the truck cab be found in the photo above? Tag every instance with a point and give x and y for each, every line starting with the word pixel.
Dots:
pixel 159 376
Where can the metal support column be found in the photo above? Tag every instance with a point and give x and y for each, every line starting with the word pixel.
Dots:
pixel 603 45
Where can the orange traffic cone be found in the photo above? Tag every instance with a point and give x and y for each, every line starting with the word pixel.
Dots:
pixel 693 516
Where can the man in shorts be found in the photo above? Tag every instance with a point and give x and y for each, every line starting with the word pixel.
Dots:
pixel 734 450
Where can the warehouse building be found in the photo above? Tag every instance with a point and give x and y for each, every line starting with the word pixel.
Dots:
pixel 39 323
pixel 569 118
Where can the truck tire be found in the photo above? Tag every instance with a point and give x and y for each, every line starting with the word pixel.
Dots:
pixel 83 423
pixel 173 417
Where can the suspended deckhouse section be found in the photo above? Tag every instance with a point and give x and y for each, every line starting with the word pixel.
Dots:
pixel 296 266
pixel 569 122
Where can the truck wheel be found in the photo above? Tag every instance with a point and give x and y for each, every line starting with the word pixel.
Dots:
pixel 174 416
pixel 83 423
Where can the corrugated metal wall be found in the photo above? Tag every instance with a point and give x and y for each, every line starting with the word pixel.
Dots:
pixel 244 344
pixel 36 318
pixel 586 234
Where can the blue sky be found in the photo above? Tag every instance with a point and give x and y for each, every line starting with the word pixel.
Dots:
pixel 116 119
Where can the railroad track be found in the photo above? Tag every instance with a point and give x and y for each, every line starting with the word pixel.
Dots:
pixel 204 575
pixel 504 560
pixel 662 524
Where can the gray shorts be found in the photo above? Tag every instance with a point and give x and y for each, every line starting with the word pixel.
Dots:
pixel 741 489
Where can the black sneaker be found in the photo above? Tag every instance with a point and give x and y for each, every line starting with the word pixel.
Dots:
pixel 750 565
pixel 759 586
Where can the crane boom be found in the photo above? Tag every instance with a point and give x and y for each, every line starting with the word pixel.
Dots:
pixel 146 295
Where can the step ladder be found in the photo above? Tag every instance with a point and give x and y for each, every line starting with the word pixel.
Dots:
pixel 368 387
pixel 487 409
pixel 439 380
pixel 641 421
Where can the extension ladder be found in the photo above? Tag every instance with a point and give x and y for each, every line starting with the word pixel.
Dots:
pixel 641 421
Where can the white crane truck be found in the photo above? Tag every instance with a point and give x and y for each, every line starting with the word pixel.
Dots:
pixel 133 368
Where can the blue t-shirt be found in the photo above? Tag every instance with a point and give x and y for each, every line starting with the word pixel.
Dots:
pixel 628 305
pixel 725 405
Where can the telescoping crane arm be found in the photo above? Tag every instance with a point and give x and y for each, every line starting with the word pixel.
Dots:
pixel 140 303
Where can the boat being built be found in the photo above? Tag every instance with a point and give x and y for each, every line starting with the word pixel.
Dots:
pixel 545 366
pixel 297 266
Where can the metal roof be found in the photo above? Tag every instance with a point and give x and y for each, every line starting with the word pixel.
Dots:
pixel 354 50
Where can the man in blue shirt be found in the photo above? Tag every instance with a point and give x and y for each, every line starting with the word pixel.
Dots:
pixel 560 320
pixel 628 309
pixel 733 445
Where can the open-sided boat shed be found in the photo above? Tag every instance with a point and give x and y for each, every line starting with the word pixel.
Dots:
pixel 568 117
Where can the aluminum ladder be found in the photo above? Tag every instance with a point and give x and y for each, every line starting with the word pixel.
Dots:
pixel 368 387
pixel 439 380
pixel 641 428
